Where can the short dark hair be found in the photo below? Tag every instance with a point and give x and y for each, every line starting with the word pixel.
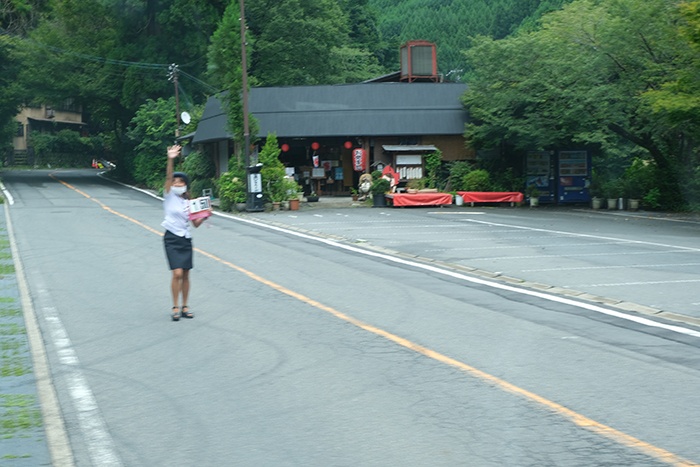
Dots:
pixel 183 176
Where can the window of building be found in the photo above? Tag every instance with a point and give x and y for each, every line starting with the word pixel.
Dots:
pixel 68 105
pixel 20 129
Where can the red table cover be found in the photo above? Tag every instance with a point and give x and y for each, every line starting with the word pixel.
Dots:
pixel 420 199
pixel 491 197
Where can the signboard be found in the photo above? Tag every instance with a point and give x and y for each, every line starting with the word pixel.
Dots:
pixel 254 183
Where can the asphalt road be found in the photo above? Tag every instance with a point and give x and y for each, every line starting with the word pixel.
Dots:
pixel 334 349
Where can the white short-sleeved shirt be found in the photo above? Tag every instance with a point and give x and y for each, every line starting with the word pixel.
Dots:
pixel 176 215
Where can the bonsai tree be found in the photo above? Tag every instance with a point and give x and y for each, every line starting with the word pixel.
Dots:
pixel 380 186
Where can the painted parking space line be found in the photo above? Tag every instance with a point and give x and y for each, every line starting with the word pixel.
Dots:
pixel 633 266
pixel 574 234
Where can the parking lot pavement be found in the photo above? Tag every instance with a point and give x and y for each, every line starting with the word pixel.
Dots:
pixel 621 259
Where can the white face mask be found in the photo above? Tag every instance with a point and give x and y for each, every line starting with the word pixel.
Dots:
pixel 178 190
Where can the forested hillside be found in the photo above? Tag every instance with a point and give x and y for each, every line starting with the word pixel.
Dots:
pixel 618 77
pixel 451 23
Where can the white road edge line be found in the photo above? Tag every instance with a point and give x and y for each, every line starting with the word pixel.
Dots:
pixel 98 440
pixel 93 427
pixel 55 429
pixel 553 298
pixel 8 195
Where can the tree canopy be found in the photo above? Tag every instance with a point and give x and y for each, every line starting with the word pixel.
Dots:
pixel 596 72
pixel 617 76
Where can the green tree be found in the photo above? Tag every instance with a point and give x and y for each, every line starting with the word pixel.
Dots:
pixel 151 132
pixel 580 78
pixel 295 40
pixel 451 24
pixel 272 171
pixel 111 56
pixel 225 70
pixel 10 96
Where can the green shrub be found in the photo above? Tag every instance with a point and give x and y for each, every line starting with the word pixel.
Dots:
pixel 66 148
pixel 477 180
pixel 416 184
pixel 380 186
pixel 272 171
pixel 652 199
pixel 199 166
pixel 232 189
pixel 433 162
pixel 507 180
pixel 457 171
pixel 638 178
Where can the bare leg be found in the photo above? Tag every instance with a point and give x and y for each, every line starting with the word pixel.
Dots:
pixel 176 285
pixel 185 286
pixel 185 294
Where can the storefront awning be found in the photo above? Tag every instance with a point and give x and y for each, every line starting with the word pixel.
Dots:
pixel 409 148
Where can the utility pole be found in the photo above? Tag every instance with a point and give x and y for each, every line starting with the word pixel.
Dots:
pixel 172 76
pixel 254 195
pixel 244 66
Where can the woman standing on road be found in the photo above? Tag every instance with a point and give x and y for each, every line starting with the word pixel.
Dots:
pixel 177 238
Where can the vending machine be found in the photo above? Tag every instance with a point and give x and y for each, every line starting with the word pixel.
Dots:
pixel 574 177
pixel 539 171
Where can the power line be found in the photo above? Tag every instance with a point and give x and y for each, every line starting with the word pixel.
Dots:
pixel 122 63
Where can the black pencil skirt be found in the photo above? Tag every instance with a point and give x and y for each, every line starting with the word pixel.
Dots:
pixel 178 250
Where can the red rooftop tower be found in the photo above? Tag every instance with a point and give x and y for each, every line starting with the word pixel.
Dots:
pixel 419 62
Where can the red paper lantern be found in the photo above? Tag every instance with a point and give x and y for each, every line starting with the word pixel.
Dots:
pixel 347 144
pixel 315 146
pixel 285 147
pixel 359 159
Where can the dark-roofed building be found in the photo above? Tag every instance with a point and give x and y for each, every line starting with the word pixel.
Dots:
pixel 394 123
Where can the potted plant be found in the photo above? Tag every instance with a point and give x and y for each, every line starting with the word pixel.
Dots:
pixel 595 191
pixel 638 180
pixel 354 193
pixel 291 189
pixel 612 190
pixel 380 187
pixel 533 195
pixel 633 192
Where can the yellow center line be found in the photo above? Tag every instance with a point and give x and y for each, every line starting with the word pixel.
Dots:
pixel 576 418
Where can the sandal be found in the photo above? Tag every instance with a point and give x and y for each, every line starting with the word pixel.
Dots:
pixel 186 313
pixel 176 314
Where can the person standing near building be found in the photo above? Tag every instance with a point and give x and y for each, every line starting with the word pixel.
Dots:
pixel 177 238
